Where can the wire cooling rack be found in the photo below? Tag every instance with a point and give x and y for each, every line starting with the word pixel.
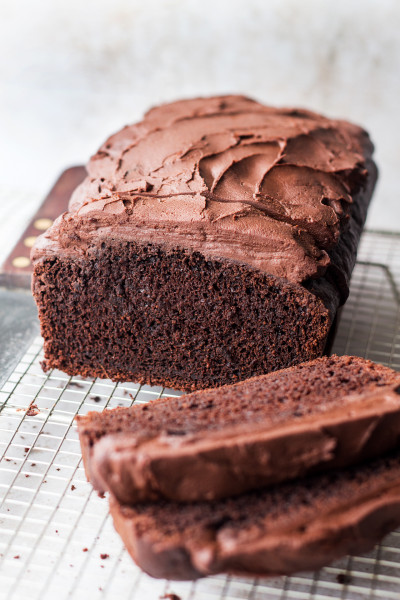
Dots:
pixel 56 538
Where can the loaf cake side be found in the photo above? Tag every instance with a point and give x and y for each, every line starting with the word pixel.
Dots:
pixel 294 527
pixel 211 242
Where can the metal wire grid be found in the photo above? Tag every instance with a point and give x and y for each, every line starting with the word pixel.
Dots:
pixel 57 540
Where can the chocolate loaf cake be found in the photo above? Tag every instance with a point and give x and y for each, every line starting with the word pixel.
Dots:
pixel 211 444
pixel 211 242
pixel 298 526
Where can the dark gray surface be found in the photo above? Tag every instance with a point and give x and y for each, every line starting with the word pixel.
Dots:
pixel 18 326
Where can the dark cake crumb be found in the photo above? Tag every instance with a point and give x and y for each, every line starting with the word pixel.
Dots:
pixel 17 556
pixel 33 410
pixel 170 597
pixel 96 398
pixel 251 346
pixel 26 450
pixel 104 556
pixel 343 578
pixel 85 550
pixel 73 487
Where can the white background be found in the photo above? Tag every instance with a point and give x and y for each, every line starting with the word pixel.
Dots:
pixel 72 72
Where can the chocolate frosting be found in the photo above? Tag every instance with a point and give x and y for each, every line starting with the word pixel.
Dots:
pixel 209 465
pixel 226 176
pixel 299 526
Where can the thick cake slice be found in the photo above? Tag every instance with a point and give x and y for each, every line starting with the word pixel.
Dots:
pixel 211 242
pixel 222 442
pixel 297 526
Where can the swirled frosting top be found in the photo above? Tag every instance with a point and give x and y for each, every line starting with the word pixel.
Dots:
pixel 229 177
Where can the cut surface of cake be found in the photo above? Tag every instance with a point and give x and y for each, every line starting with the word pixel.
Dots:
pixel 298 526
pixel 211 242
pixel 212 444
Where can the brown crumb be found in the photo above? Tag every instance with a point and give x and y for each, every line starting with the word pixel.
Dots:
pixel 27 475
pixel 343 578
pixel 104 556
pixel 56 530
pixel 32 409
pixel 96 398
pixel 26 449
pixel 85 550
pixel 58 469
pixel 16 556
pixel 75 384
pixel 131 396
pixel 73 488
pixel 170 597
pixel 33 464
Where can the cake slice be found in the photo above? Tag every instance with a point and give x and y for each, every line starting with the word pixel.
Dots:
pixel 297 526
pixel 211 242
pixel 222 442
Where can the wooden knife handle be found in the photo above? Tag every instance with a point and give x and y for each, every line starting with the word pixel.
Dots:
pixel 17 269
